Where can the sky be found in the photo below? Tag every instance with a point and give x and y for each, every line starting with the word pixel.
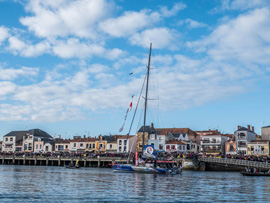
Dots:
pixel 70 67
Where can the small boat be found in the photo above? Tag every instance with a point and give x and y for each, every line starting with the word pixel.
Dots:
pixel 71 166
pixel 255 174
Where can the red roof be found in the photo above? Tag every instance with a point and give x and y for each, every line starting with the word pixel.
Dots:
pixel 88 139
pixel 164 131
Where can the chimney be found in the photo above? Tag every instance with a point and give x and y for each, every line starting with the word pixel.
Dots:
pixel 238 127
pixel 84 136
pixel 252 128
pixel 152 125
pixel 248 127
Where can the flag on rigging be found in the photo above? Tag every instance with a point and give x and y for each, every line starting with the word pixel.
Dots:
pixel 130 106
pixel 128 110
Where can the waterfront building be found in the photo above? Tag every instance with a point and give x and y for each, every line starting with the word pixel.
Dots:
pixel 112 147
pixel 176 146
pixel 265 133
pixel 159 141
pixel 62 145
pixel 213 143
pixel 78 145
pixel 189 137
pixel 258 147
pixel 49 146
pixel 38 146
pixel 34 135
pixel 126 143
pixel 101 143
pixel 13 141
pixel 90 144
pixel 243 136
pixel 150 132
pixel 230 146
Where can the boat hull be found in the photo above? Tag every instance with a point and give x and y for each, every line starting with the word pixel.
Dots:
pixel 121 168
pixel 255 174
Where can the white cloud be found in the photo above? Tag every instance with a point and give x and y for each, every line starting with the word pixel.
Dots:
pixel 240 5
pixel 129 23
pixel 75 48
pixel 245 39
pixel 6 88
pixel 11 74
pixel 164 11
pixel 3 34
pixel 63 18
pixel 19 47
pixel 192 24
pixel 160 37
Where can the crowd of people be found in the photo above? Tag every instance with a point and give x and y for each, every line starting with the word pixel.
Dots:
pixel 164 156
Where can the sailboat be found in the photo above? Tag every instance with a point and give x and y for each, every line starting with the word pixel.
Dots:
pixel 148 150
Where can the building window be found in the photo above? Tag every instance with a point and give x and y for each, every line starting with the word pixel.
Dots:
pixel 94 145
pixel 125 142
pixel 184 148
pixel 110 146
pixel 74 145
pixel 81 145
pixel 173 146
pixel 6 139
pixel 120 142
pixel 55 146
pixel 87 145
pixel 40 147
pixel 160 139
pixel 11 139
pixel 152 136
pixel 120 149
pixel 180 147
pixel 36 146
pixel 262 149
pixel 160 146
pixel 100 146
pixel 231 147
pixel 168 147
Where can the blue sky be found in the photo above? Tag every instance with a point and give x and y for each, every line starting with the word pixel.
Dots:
pixel 64 65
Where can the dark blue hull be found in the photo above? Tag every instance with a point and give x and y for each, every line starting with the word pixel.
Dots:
pixel 122 168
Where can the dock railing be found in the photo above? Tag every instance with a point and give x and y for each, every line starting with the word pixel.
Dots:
pixel 236 162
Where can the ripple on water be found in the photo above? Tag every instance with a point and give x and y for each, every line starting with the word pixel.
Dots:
pixel 58 184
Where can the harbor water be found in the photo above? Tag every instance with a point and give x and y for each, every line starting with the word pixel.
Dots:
pixel 58 184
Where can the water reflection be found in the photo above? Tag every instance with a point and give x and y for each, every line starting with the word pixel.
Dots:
pixel 58 184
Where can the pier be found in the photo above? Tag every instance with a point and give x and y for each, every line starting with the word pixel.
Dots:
pixel 62 161
pixel 233 163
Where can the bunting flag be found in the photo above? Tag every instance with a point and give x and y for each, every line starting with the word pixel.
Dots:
pixel 130 106
pixel 125 118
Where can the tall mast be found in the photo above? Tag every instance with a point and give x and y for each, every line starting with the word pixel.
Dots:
pixel 146 93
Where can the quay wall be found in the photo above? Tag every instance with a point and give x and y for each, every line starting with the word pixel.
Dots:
pixel 62 161
pixel 188 163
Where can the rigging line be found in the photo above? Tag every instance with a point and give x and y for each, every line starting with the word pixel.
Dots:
pixel 134 115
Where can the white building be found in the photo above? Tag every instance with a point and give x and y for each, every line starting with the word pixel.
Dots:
pixel 127 143
pixel 213 143
pixel 159 139
pixel 112 146
pixel 176 146
pixel 13 141
pixel 32 136
pixel 243 136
